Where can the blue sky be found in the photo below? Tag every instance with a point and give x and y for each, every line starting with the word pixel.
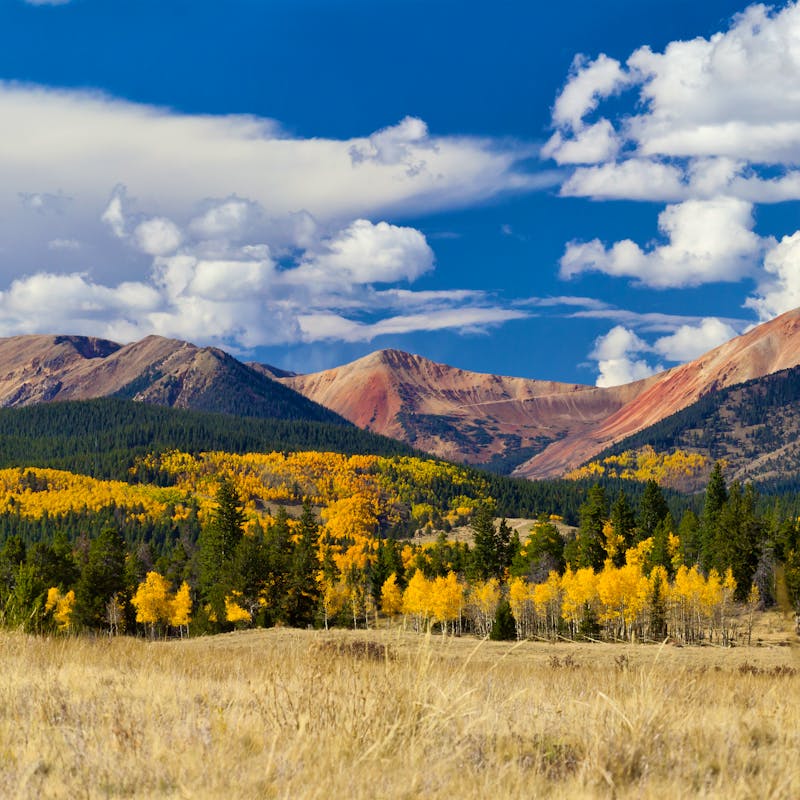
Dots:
pixel 586 193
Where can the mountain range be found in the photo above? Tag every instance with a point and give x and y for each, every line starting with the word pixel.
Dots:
pixel 532 428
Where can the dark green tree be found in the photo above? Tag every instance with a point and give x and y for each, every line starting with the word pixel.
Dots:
pixel 504 627
pixel 303 588
pixel 652 510
pixel 589 546
pixel 218 540
pixel 102 577
pixel 715 499
pixel 624 521
pixel 491 553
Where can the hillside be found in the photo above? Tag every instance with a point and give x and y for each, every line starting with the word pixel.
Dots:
pixel 538 429
pixel 753 426
pixel 461 415
pixel 36 369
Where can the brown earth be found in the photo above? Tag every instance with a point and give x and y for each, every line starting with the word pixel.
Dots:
pixel 42 368
pixel 474 417
pixel 456 414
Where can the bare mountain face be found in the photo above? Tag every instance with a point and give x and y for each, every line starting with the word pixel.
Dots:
pixel 535 428
pixel 36 369
pixel 460 415
pixel 540 427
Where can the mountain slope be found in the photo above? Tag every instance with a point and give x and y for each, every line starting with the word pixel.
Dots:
pixel 753 426
pixel 542 428
pixel 35 369
pixel 768 348
pixel 456 414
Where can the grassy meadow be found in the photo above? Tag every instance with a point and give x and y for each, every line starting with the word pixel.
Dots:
pixel 369 714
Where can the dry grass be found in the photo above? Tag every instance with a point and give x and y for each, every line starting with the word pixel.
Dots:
pixel 300 714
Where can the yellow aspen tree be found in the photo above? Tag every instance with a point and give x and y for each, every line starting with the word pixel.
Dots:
pixel 181 609
pixel 391 596
pixel 152 601
pixel 233 611
pixel 520 598
pixel 447 600
pixel 579 595
pixel 417 599
pixel 484 599
pixel 61 606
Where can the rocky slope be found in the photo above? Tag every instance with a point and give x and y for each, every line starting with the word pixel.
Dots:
pixel 460 415
pixel 540 427
pixel 35 369
pixel 768 348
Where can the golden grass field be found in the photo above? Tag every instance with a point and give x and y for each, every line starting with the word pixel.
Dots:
pixel 391 714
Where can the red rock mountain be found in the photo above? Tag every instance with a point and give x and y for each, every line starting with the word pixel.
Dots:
pixel 542 428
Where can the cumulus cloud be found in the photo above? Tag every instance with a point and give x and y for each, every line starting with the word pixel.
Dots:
pixel 615 353
pixel 87 142
pixel 206 284
pixel 708 240
pixel 367 253
pixel 588 83
pixel 157 236
pixel 713 128
pixel 779 288
pixel 589 145
pixel 691 341
pixel 623 356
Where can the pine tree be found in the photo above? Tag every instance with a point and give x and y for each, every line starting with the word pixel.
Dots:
pixel 652 510
pixel 624 521
pixel 303 588
pixel 102 577
pixel 219 538
pixel 486 559
pixel 589 549
pixel 715 499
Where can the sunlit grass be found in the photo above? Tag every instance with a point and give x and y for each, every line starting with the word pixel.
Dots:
pixel 302 714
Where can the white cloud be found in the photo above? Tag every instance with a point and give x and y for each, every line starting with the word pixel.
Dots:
pixel 64 244
pixel 317 327
pixel 366 253
pixel 86 143
pixel 589 82
pixel 633 179
pixel 238 295
pixel 709 240
pixel 229 218
pixel 592 144
pixel 615 353
pixel 47 2
pixel 779 288
pixel 157 236
pixel 691 341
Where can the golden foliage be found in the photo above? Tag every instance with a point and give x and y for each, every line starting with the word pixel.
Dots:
pixel 646 464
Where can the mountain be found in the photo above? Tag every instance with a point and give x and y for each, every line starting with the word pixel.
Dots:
pixel 754 427
pixel 456 414
pixel 537 428
pixel 767 348
pixel 169 372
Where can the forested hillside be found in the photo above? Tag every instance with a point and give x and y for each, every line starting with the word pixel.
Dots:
pixel 754 427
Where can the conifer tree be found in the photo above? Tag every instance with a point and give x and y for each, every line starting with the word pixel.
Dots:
pixel 218 540
pixel 715 499
pixel 652 510
pixel 303 588
pixel 624 521
pixel 102 577
pixel 589 549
